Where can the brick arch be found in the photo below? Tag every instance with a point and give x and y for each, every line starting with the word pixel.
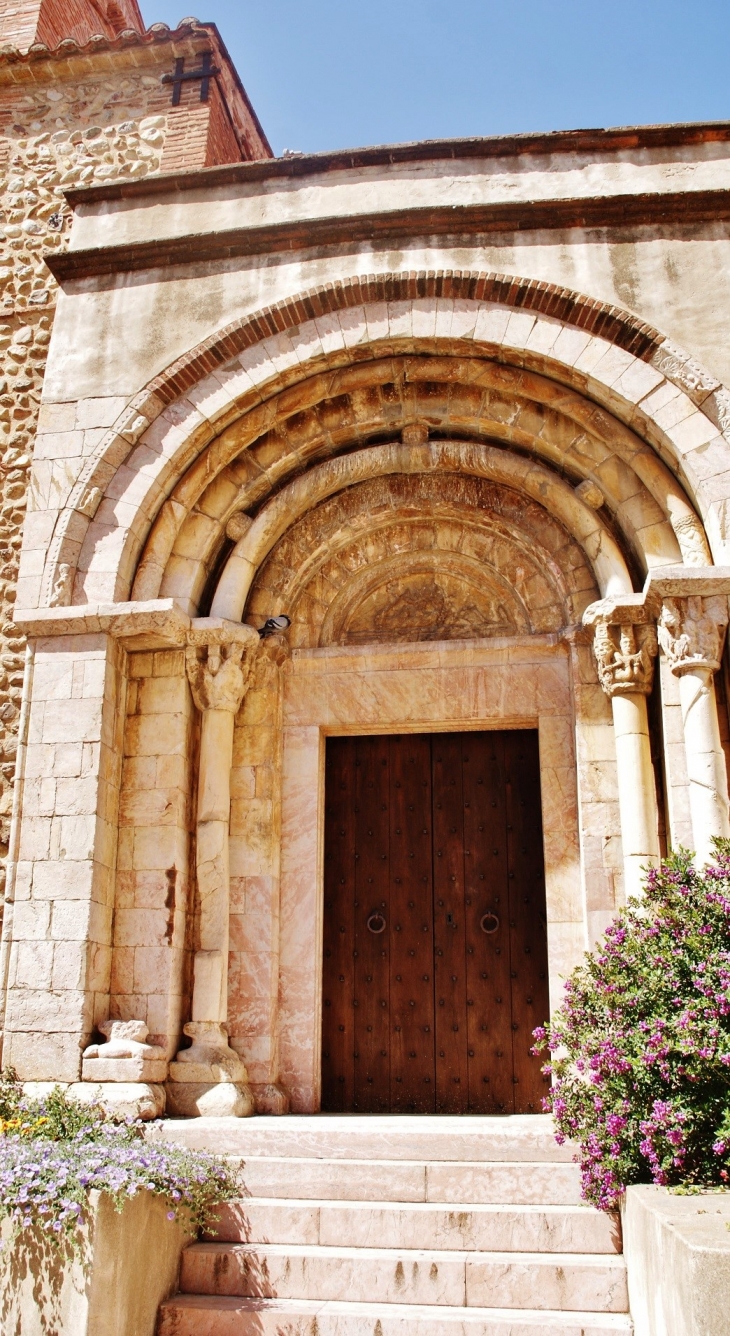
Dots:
pixel 181 411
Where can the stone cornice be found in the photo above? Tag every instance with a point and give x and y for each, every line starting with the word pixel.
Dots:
pixel 464 224
pixel 430 150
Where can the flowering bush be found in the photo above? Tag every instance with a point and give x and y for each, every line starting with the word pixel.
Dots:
pixel 641 1045
pixel 54 1152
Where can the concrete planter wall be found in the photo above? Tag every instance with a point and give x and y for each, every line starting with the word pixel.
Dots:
pixel 128 1264
pixel 677 1253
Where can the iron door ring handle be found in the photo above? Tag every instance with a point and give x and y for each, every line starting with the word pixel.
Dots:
pixel 489 918
pixel 373 921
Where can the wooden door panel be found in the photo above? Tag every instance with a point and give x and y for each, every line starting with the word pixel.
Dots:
pixel 488 956
pixel 435 950
pixel 338 1034
pixel 412 1084
pixel 527 915
pixel 372 898
pixel 452 1084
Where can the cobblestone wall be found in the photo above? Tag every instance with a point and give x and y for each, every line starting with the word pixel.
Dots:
pixel 52 136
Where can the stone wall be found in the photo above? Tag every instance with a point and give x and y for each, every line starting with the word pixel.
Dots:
pixel 52 136
pixel 64 124
pixel 150 959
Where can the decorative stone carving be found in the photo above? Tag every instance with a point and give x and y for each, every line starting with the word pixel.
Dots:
pixel 415 433
pixel 219 664
pixel 692 540
pixel 90 501
pixel 624 656
pixel 590 493
pixel 125 1056
pixel 238 525
pixel 61 596
pixel 692 631
pixel 419 558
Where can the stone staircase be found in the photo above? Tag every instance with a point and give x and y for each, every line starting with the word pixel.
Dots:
pixel 399 1226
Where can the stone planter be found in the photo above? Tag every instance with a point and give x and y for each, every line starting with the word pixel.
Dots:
pixel 128 1264
pixel 677 1252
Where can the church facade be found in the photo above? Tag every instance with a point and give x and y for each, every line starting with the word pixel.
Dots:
pixel 374 585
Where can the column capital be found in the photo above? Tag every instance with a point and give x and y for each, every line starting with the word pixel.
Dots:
pixel 692 631
pixel 624 645
pixel 624 655
pixel 219 658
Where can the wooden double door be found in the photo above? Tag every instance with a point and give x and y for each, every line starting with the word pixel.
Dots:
pixel 435 945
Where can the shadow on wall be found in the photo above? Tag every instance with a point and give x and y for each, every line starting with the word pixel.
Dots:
pixel 112 1283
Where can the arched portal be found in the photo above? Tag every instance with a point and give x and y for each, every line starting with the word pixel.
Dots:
pixel 450 487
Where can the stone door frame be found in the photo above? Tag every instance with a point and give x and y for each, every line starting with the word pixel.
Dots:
pixel 500 684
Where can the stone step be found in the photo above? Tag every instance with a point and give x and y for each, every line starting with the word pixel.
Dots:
pixel 563 1281
pixel 201 1315
pixel 500 1183
pixel 347 1137
pixel 354 1224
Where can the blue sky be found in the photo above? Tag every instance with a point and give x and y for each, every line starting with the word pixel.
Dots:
pixel 339 73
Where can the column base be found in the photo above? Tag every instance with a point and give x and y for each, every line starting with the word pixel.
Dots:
pixel 122 1099
pixel 209 1099
pixel 270 1097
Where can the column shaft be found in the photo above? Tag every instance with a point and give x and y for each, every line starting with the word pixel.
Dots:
pixel 706 769
pixel 210 990
pixel 636 789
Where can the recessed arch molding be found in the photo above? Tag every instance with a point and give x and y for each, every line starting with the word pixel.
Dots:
pixel 127 480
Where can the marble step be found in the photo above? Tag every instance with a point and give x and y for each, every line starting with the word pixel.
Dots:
pixel 355 1224
pixel 501 1183
pixel 202 1315
pixel 563 1281
pixel 347 1137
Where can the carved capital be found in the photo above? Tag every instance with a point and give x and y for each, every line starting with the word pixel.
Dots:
pixel 220 658
pixel 692 632
pixel 624 654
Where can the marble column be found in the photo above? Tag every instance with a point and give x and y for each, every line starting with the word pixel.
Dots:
pixel 624 653
pixel 691 633
pixel 209 1078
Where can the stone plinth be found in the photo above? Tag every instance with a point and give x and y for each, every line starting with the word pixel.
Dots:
pixel 208 1079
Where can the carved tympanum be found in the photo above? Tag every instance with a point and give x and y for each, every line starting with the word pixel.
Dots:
pixel 692 631
pixel 625 657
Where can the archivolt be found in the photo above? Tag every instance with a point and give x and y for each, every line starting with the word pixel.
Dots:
pixel 454 396
pixel 138 466
pixel 525 475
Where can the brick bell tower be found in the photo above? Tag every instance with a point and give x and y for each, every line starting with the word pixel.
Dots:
pixel 23 23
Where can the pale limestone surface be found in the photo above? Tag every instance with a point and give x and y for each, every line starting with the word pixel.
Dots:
pixel 311 1251
pixel 94 1294
pixel 434 490
pixel 677 1253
